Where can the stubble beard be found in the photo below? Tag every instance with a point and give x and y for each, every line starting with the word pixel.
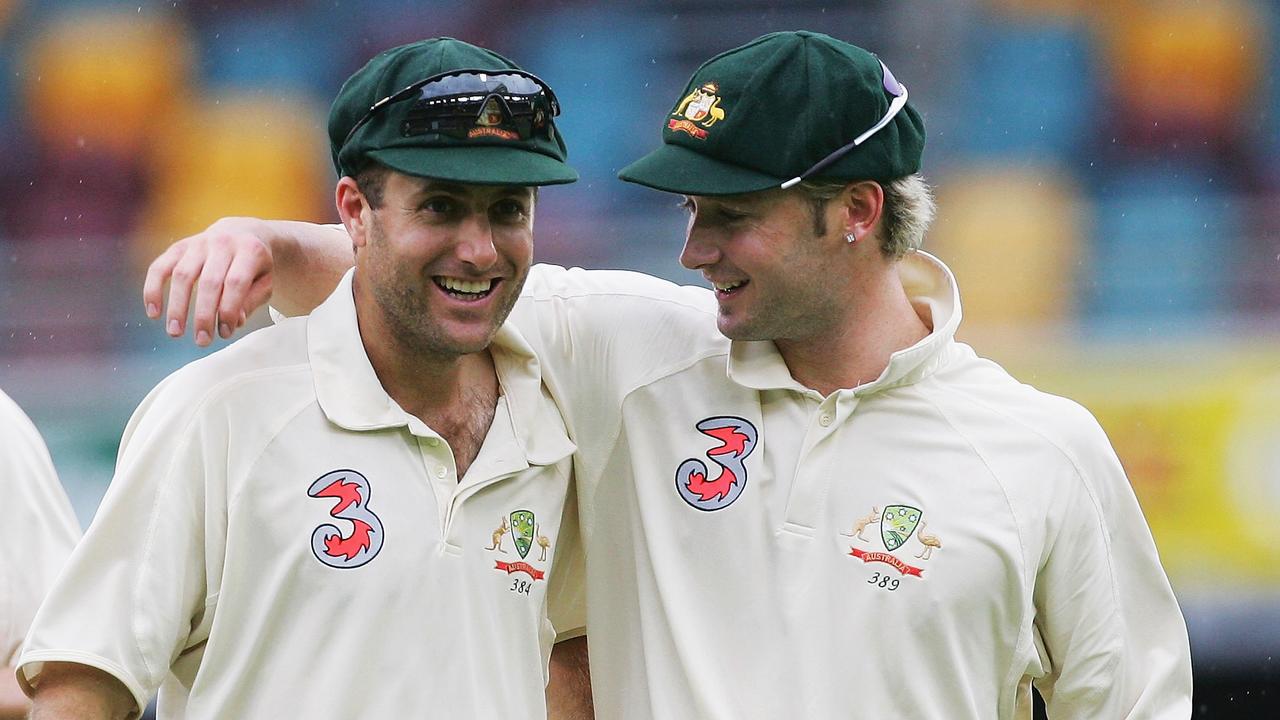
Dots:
pixel 401 296
pixel 787 315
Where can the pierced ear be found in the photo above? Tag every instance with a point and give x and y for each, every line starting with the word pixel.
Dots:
pixel 864 206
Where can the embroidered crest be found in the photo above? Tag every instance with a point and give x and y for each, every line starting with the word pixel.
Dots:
pixel 525 532
pixel 897 525
pixel 351 491
pixel 698 110
pixel 737 439
pixel 522 531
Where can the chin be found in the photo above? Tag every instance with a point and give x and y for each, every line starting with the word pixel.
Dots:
pixel 438 341
pixel 464 345
pixel 745 330
pixel 733 330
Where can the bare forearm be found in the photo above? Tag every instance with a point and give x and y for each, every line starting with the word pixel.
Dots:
pixel 569 689
pixel 65 691
pixel 309 262
pixel 13 704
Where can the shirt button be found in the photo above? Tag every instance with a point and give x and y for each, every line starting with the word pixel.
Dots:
pixel 441 471
pixel 433 441
pixel 824 420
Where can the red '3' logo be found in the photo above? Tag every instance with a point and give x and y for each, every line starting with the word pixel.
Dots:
pixel 737 439
pixel 330 545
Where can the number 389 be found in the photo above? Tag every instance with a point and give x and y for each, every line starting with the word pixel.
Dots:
pixel 881 580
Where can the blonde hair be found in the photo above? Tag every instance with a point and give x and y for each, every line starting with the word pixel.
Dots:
pixel 908 210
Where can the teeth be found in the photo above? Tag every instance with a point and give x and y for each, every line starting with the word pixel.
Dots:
pixel 471 287
pixel 724 287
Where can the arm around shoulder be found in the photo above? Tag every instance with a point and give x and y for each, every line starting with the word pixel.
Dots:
pixel 236 264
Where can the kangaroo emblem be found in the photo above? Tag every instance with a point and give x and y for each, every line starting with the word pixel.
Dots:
pixel 498 534
pixel 861 524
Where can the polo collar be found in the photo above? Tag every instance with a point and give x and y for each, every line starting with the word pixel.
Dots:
pixel 352 397
pixel 933 293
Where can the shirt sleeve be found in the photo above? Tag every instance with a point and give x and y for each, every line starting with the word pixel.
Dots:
pixel 39 529
pixel 138 590
pixel 1111 637
pixel 600 333
pixel 566 590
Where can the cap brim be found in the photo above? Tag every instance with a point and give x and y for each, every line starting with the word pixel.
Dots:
pixel 677 169
pixel 477 165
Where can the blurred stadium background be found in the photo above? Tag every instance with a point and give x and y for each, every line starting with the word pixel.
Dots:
pixel 1108 177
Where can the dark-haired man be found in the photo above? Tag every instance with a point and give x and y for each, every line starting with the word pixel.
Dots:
pixel 355 514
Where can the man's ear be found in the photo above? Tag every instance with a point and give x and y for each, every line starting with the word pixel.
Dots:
pixel 354 210
pixel 862 204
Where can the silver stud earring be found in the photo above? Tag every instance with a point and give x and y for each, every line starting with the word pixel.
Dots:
pixel 850 238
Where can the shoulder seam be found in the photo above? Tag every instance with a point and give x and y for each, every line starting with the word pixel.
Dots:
pixel 1081 476
pixel 672 369
pixel 285 420
pixel 207 397
pixel 590 294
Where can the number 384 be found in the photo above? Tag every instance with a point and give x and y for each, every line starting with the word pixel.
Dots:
pixel 881 580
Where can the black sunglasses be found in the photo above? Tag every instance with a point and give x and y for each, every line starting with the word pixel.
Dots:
pixel 472 103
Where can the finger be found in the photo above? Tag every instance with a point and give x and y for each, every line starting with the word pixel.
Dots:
pixel 209 293
pixel 247 268
pixel 157 274
pixel 255 299
pixel 258 295
pixel 181 283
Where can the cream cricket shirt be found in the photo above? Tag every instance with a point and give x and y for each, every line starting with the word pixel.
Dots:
pixel 281 540
pixel 38 531
pixel 922 546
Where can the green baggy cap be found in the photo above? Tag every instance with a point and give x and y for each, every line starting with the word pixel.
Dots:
pixel 487 156
pixel 757 116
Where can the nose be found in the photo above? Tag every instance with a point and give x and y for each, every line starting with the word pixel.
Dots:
pixel 700 248
pixel 475 245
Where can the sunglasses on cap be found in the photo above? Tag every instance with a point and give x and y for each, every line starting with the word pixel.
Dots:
pixel 891 86
pixel 509 104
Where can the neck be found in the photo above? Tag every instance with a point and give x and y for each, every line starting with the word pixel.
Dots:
pixel 879 321
pixel 433 387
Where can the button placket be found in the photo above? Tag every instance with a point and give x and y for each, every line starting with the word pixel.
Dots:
pixel 435 455
pixel 815 466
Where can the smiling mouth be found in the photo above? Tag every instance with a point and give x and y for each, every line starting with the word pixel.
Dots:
pixel 729 288
pixel 465 289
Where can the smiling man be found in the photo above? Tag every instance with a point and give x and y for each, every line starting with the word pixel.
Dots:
pixel 799 495
pixel 300 526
